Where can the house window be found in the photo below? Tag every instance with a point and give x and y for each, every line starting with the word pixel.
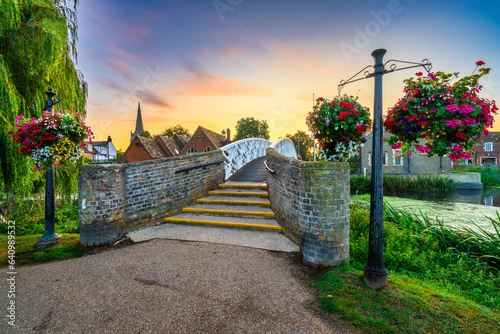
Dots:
pixel 488 146
pixel 488 201
pixel 397 161
pixel 208 149
pixel 192 150
pixel 369 159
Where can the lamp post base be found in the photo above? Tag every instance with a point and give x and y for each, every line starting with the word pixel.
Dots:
pixel 48 240
pixel 375 279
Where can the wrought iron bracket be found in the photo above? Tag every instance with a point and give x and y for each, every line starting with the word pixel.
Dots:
pixel 389 67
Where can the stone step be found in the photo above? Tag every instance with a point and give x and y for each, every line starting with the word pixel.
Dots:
pixel 220 221
pixel 234 200
pixel 246 185
pixel 231 210
pixel 239 192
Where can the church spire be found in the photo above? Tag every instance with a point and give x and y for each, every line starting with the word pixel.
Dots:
pixel 138 124
pixel 139 128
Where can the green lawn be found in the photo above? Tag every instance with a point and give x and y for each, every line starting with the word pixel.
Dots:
pixel 406 305
pixel 26 252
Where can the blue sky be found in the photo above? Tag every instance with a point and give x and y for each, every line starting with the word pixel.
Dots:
pixel 211 62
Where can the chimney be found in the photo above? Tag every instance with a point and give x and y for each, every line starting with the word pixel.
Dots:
pixel 109 139
pixel 228 133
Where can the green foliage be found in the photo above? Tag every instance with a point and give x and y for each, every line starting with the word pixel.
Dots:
pixel 37 43
pixel 176 130
pixel 306 144
pixel 354 163
pixel 26 252
pixel 30 218
pixel 465 261
pixel 404 183
pixel 490 176
pixel 146 134
pixel 251 128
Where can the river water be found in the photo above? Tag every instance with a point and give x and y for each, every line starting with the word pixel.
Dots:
pixel 489 196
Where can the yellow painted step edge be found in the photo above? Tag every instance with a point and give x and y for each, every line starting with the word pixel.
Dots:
pixel 264 194
pixel 230 212
pixel 216 201
pixel 250 186
pixel 242 225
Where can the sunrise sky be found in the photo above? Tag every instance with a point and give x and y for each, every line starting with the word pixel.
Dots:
pixel 211 63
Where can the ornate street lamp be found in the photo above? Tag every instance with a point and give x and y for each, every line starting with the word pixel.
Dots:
pixel 375 274
pixel 49 237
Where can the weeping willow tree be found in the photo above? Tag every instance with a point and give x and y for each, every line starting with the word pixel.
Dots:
pixel 37 50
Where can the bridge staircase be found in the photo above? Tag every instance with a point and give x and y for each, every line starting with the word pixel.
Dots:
pixel 243 205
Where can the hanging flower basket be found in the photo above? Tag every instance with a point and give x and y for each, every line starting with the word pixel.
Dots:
pixel 438 117
pixel 52 138
pixel 339 126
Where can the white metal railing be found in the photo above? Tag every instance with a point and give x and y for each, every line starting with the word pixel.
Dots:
pixel 285 146
pixel 241 152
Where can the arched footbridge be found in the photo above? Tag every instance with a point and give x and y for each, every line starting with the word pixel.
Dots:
pixel 251 153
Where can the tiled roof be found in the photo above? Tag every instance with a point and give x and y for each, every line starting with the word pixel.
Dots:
pixel 216 138
pixel 171 144
pixel 100 143
pixel 493 136
pixel 182 140
pixel 153 147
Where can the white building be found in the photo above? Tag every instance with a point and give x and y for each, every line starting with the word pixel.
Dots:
pixel 101 150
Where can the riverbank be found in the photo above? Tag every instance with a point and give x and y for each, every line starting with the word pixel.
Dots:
pixel 452 214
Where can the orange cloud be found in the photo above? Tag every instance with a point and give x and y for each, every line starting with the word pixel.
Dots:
pixel 211 85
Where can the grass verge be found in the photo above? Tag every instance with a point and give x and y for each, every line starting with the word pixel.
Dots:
pixel 443 280
pixel 27 253
pixel 406 305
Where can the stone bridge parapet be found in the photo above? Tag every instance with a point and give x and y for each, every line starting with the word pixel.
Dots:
pixel 117 198
pixel 311 203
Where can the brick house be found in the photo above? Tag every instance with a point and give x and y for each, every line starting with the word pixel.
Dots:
pixel 204 140
pixel 417 163
pixel 141 149
pixel 488 152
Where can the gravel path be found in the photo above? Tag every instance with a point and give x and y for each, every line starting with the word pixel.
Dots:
pixel 169 286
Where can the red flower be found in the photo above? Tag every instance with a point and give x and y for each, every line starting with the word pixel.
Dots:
pixel 479 63
pixel 419 74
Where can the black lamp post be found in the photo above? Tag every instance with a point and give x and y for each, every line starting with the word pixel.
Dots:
pixel 49 237
pixel 375 274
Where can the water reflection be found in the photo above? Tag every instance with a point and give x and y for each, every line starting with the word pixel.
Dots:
pixel 489 196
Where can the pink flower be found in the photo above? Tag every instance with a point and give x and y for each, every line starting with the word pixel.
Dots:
pixel 479 63
pixel 431 76
pixel 19 117
pixel 396 146
pixel 486 132
pixel 18 124
pixel 56 164
pixel 36 169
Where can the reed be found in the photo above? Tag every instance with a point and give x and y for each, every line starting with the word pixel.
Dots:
pixel 405 183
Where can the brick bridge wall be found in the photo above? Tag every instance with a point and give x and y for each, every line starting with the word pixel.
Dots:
pixel 311 203
pixel 117 198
